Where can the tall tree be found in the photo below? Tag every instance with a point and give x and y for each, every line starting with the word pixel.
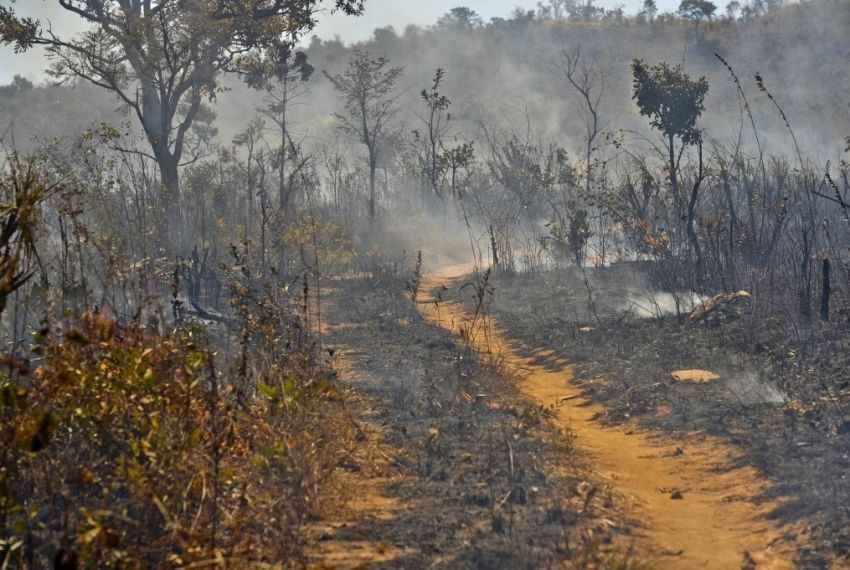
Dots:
pixel 283 75
pixel 585 11
pixel 732 9
pixel 648 10
pixel 162 58
pixel 460 18
pixel 367 89
pixel 674 102
pixel 697 11
pixel 553 9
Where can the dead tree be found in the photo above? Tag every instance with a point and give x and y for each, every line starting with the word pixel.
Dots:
pixel 589 82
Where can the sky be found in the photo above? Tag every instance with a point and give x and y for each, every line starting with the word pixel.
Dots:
pixel 379 13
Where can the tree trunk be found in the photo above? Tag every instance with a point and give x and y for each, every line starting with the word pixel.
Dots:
pixel 494 249
pixel 281 185
pixel 372 168
pixel 674 179
pixel 248 210
pixel 826 290
pixel 170 193
pixel 699 263
pixel 154 119
pixel 283 196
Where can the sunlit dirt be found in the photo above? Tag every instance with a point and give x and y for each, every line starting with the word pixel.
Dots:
pixel 698 511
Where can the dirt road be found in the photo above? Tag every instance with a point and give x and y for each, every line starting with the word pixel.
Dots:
pixel 697 510
pixel 435 479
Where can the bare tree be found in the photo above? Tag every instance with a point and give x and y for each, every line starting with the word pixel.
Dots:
pixel 589 82
pixel 250 138
pixel 283 75
pixel 439 165
pixel 368 91
pixel 337 172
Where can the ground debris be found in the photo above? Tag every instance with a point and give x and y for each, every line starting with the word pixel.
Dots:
pixel 484 470
pixel 722 308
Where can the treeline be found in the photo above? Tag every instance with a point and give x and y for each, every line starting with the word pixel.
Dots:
pixel 490 67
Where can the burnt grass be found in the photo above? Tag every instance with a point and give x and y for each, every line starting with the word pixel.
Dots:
pixel 783 396
pixel 489 481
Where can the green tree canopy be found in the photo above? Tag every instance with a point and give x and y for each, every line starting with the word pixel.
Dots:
pixel 670 98
pixel 697 10
pixel 460 18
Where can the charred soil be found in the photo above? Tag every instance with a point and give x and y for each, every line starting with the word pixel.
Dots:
pixel 453 467
pixel 779 399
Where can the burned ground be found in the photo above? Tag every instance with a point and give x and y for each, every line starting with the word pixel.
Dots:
pixel 460 470
pixel 781 397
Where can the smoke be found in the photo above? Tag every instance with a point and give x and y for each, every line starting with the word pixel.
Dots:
pixel 444 239
pixel 652 304
pixel 500 75
pixel 505 73
pixel 750 389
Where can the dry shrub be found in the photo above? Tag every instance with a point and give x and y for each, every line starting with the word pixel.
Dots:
pixel 125 448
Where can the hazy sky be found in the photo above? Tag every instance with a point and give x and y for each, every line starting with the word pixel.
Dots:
pixel 379 13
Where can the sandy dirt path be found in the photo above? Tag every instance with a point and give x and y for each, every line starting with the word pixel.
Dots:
pixel 698 512
pixel 339 541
